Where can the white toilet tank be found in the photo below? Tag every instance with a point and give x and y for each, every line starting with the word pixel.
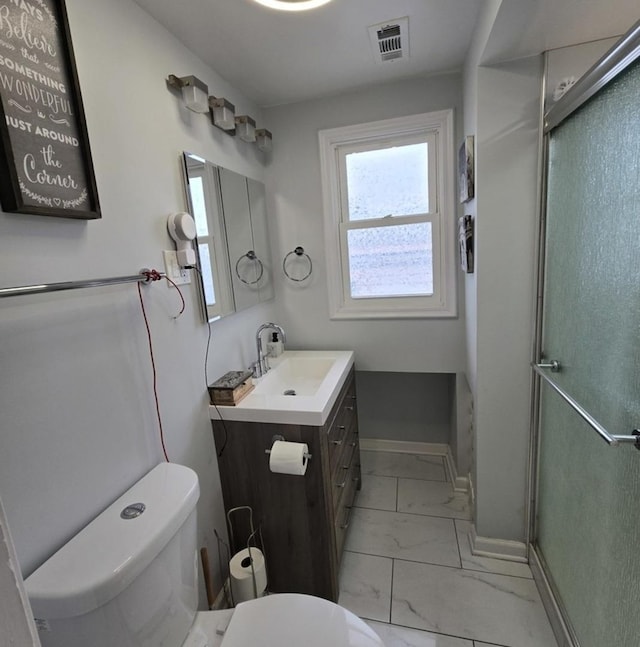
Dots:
pixel 129 579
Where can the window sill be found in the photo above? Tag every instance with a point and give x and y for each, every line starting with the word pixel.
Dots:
pixel 345 314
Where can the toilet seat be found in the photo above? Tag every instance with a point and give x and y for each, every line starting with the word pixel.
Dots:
pixel 283 619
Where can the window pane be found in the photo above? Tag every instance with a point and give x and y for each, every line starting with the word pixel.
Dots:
pixel 392 261
pixel 207 274
pixel 196 188
pixel 388 181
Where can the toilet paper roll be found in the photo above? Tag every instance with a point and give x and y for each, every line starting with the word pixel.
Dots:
pixel 241 575
pixel 288 458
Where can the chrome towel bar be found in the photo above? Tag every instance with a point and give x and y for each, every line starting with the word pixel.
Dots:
pixel 610 439
pixel 145 276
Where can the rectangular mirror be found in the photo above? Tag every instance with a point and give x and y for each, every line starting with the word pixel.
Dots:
pixel 232 237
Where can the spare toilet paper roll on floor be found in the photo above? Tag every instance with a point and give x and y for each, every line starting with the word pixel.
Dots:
pixel 288 458
pixel 242 575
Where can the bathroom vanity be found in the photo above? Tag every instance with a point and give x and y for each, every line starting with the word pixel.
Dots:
pixel 304 519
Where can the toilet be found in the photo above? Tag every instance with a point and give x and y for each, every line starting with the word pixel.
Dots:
pixel 129 579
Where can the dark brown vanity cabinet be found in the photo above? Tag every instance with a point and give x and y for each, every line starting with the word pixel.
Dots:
pixel 304 519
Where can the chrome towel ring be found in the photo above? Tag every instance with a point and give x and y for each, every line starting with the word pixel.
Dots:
pixel 299 252
pixel 251 255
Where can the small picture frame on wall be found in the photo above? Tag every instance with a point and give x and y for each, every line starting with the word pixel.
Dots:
pixel 466 170
pixel 45 160
pixel 465 243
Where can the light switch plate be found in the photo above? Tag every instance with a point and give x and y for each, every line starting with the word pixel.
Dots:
pixel 177 274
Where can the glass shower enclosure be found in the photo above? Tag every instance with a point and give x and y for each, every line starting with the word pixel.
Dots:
pixel 586 513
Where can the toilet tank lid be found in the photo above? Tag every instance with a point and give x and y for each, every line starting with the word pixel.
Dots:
pixel 108 554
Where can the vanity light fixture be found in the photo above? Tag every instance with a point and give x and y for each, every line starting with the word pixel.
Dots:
pixel 195 92
pixel 246 128
pixel 223 113
pixel 264 140
pixel 292 5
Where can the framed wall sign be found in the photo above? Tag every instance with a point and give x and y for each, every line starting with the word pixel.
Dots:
pixel 465 243
pixel 45 161
pixel 466 170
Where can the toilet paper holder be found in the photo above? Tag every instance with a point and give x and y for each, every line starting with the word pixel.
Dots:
pixel 254 541
pixel 307 455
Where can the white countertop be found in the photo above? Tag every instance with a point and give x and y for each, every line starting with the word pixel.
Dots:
pixel 316 376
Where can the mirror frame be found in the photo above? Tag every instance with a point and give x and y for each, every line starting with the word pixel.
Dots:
pixel 220 205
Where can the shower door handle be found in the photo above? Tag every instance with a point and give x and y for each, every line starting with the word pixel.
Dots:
pixel 553 364
pixel 610 439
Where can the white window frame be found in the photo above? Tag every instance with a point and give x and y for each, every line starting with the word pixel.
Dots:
pixel 437 129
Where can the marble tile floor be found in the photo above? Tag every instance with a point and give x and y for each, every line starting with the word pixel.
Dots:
pixel 408 570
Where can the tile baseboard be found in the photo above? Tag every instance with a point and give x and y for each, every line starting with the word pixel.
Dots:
pixel 403 447
pixel 460 483
pixel 505 549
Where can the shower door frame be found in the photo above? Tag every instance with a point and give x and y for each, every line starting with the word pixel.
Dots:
pixel 625 52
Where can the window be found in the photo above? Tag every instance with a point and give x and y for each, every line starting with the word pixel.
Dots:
pixel 199 212
pixel 203 199
pixel 388 205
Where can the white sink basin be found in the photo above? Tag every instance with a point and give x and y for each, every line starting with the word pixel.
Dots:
pixel 314 376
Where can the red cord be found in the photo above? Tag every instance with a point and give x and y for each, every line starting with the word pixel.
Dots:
pixel 180 293
pixel 151 275
pixel 154 275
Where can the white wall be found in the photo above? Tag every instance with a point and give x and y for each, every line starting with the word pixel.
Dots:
pixel 508 144
pixel 502 109
pixel 571 63
pixel 78 422
pixel 295 203
pixel 413 407
pixel 470 94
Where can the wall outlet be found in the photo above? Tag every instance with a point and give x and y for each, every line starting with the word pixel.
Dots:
pixel 176 273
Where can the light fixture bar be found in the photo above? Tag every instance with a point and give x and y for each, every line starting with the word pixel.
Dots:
pixel 246 128
pixel 264 140
pixel 194 92
pixel 223 114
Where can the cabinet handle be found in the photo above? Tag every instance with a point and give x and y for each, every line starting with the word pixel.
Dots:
pixel 336 442
pixel 341 427
pixel 345 525
pixel 346 478
pixel 349 408
pixel 353 444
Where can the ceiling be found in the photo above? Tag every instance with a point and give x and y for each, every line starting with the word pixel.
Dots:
pixel 276 57
pixel 527 27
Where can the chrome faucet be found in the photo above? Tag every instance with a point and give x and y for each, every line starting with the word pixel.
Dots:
pixel 262 366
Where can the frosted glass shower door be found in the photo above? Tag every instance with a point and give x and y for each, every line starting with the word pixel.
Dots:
pixel 588 507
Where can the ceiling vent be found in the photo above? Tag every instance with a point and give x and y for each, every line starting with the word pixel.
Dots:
pixel 390 40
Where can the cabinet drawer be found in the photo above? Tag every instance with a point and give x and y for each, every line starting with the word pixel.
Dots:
pixel 350 454
pixel 345 508
pixel 337 439
pixel 337 435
